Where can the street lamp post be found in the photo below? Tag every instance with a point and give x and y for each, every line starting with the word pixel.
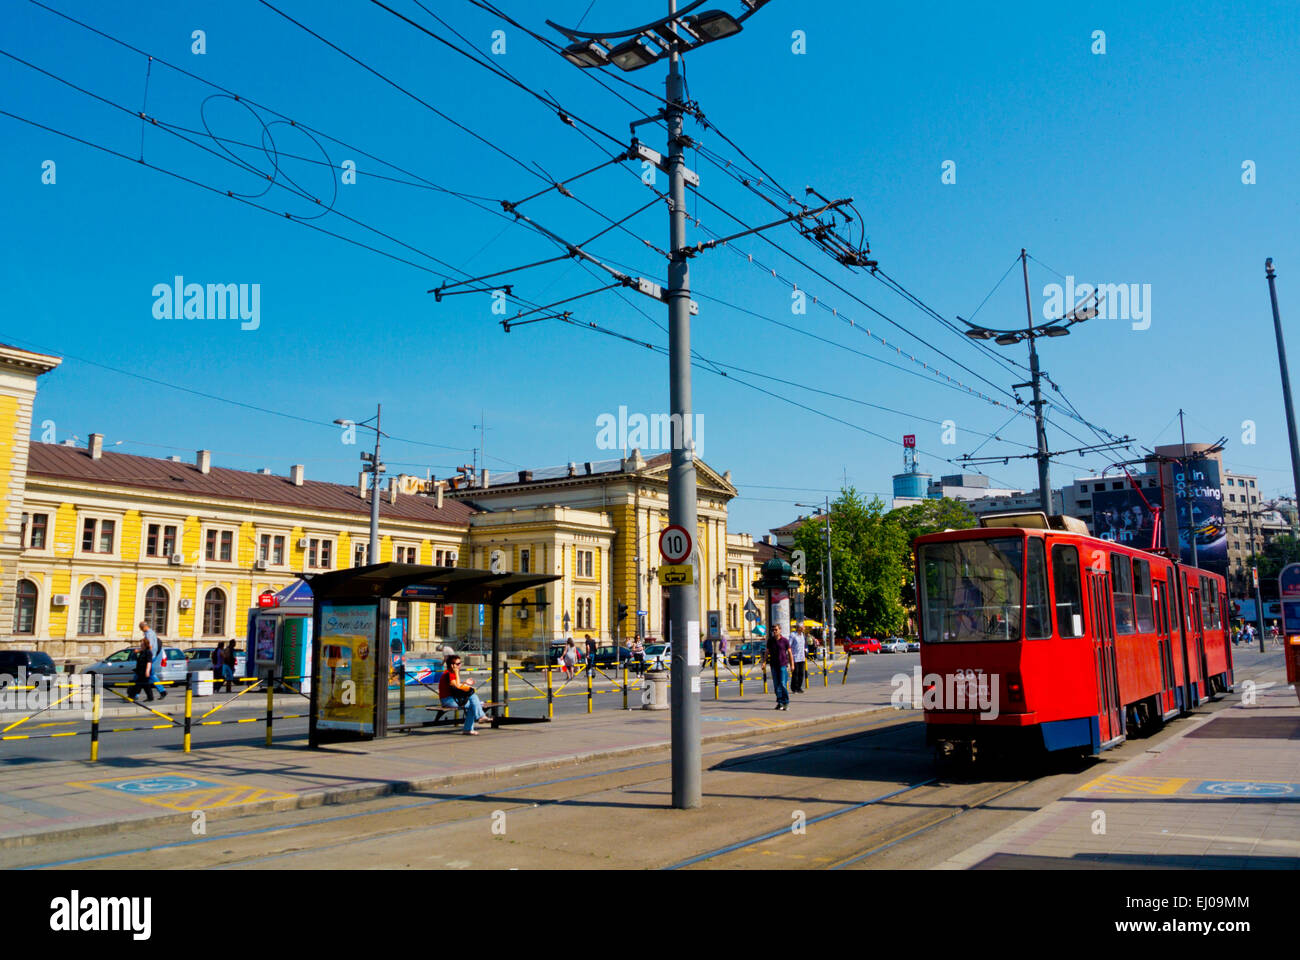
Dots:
pixel 374 467
pixel 1055 328
pixel 1286 376
pixel 639 47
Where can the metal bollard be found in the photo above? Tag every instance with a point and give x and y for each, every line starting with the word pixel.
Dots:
pixel 741 673
pixel 826 676
pixel 848 658
pixel 189 708
pixel 505 687
pixel 550 695
pixel 96 707
pixel 589 670
pixel 715 677
pixel 624 686
pixel 270 704
pixel 401 696
pixel 766 673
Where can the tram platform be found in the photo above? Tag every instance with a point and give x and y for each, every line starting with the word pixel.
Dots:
pixel 1223 795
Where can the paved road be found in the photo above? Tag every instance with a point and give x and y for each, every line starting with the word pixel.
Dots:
pixel 859 794
pixel 871 669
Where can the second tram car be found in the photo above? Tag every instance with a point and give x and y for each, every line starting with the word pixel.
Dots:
pixel 1037 635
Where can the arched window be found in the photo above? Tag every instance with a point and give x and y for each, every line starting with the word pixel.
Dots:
pixel 214 613
pixel 90 611
pixel 25 607
pixel 155 609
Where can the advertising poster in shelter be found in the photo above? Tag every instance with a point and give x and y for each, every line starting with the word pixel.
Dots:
pixel 347 668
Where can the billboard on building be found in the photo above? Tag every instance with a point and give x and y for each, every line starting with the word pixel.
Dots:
pixel 1198 483
pixel 1122 516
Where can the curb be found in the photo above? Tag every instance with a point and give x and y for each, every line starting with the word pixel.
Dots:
pixel 371 790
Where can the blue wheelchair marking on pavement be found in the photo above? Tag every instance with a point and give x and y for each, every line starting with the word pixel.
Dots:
pixel 1247 788
pixel 166 784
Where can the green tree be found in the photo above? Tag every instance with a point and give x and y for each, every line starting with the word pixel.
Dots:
pixel 928 516
pixel 868 556
pixel 1281 550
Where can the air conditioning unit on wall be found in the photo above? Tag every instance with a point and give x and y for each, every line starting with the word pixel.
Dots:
pixel 260 565
pixel 60 599
pixel 176 559
pixel 302 543
pixel 186 603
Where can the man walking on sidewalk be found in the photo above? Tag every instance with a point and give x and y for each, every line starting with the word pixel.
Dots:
pixel 798 657
pixel 778 660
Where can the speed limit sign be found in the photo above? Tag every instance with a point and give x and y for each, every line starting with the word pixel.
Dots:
pixel 675 544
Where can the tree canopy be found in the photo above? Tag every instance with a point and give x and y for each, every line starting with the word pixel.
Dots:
pixel 869 561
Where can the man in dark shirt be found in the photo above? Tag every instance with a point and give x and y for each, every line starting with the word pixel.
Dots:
pixel 778 660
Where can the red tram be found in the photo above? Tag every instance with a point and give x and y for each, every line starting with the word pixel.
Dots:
pixel 1036 635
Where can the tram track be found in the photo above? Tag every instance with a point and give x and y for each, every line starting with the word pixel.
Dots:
pixel 798 740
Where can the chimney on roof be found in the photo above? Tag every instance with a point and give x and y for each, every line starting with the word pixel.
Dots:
pixel 525 476
pixel 295 474
pixel 96 446
pixel 175 458
pixel 485 478
pixel 587 467
pixel 573 469
pixel 439 487
pixel 203 460
pixel 392 489
pixel 767 538
pixel 265 471
pixel 361 484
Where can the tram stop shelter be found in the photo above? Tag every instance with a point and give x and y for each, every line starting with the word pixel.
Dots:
pixel 351 659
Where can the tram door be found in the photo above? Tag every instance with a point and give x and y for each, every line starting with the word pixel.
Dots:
pixel 1110 716
pixel 1167 681
pixel 1196 614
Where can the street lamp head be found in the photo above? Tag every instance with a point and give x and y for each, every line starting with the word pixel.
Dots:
pixel 979 333
pixel 633 54
pixel 1057 331
pixel 1007 339
pixel 713 25
pixel 1268 268
pixel 341 422
pixel 586 54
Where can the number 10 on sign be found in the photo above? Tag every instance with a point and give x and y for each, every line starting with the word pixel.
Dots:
pixel 675 544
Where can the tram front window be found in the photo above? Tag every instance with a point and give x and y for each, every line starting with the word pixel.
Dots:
pixel 971 590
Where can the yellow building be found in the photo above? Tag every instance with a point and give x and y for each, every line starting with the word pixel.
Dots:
pixel 96 542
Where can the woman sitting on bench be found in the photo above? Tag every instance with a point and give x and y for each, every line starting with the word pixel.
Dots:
pixel 456 693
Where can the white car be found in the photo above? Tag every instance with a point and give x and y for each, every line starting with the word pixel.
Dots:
pixel 894 645
pixel 658 655
pixel 119 667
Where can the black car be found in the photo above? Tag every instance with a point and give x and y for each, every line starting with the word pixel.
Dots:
pixel 751 651
pixel 33 661
pixel 606 657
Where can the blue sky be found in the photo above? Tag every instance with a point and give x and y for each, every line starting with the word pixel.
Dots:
pixel 1118 168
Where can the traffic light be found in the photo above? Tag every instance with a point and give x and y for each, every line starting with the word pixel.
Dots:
pixel 622 612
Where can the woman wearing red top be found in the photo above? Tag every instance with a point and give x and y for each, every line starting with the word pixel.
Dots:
pixel 452 690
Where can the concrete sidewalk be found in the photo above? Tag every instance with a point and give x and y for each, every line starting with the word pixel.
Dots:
pixel 1223 795
pixel 69 798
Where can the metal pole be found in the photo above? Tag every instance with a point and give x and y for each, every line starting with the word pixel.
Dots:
pixel 684 600
pixel 1187 492
pixel 1286 377
pixel 1044 478
pixel 374 491
pixel 1254 572
pixel 830 581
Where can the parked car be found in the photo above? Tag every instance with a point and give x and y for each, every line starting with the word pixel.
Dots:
pixel 200 658
pixel 119 667
pixel 612 657
pixel 862 645
pixel 31 661
pixel 751 651
pixel 658 655
pixel 894 645
pixel 913 646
